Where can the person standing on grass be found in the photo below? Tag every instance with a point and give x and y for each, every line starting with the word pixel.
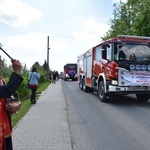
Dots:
pixel 51 76
pixel 6 91
pixel 33 78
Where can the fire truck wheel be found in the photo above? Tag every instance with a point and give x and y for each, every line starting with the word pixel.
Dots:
pixel 143 97
pixel 85 88
pixel 81 84
pixel 101 92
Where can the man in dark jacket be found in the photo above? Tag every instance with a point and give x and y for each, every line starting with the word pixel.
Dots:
pixel 14 81
pixel 54 76
pixel 7 90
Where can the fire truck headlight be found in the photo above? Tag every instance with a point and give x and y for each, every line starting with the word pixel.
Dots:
pixel 132 67
pixel 114 82
pixel 67 75
pixel 138 67
pixel 144 67
pixel 148 67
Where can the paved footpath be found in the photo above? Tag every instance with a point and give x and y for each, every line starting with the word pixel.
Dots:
pixel 45 126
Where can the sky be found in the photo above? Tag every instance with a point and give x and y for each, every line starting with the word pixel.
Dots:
pixel 73 27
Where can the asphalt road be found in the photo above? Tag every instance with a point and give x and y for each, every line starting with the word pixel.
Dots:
pixel 123 124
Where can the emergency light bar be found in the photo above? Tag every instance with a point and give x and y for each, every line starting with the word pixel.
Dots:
pixel 137 37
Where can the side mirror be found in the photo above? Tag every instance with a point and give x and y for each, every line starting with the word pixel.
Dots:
pixel 103 47
pixel 107 45
pixel 104 53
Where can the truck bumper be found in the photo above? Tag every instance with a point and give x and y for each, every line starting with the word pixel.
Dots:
pixel 129 89
pixel 71 76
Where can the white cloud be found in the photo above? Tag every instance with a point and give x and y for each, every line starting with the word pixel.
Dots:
pixel 27 48
pixel 17 13
pixel 92 32
pixel 33 41
pixel 32 47
pixel 57 46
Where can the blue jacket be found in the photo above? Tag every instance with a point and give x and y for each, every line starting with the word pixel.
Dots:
pixel 33 78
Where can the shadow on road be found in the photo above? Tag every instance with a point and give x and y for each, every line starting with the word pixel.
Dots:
pixel 126 100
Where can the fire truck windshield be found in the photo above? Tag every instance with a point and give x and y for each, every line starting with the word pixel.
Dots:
pixel 133 52
pixel 71 66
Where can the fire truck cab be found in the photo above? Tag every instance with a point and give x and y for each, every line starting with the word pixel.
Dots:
pixel 70 72
pixel 120 65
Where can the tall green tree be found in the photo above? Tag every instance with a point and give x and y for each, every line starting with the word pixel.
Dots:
pixel 131 18
pixel 142 16
pixel 45 65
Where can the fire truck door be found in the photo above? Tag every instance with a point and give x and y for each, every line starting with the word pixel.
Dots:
pixel 88 66
pixel 84 65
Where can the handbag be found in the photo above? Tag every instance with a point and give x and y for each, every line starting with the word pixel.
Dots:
pixel 28 84
pixel 13 105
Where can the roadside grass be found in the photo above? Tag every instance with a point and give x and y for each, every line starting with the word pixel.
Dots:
pixel 26 105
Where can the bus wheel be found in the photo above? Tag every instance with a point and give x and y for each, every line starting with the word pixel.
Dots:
pixel 101 92
pixel 143 97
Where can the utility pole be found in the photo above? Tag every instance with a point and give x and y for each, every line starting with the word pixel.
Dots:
pixel 48 58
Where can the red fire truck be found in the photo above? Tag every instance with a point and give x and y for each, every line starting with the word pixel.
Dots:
pixel 120 65
pixel 70 72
